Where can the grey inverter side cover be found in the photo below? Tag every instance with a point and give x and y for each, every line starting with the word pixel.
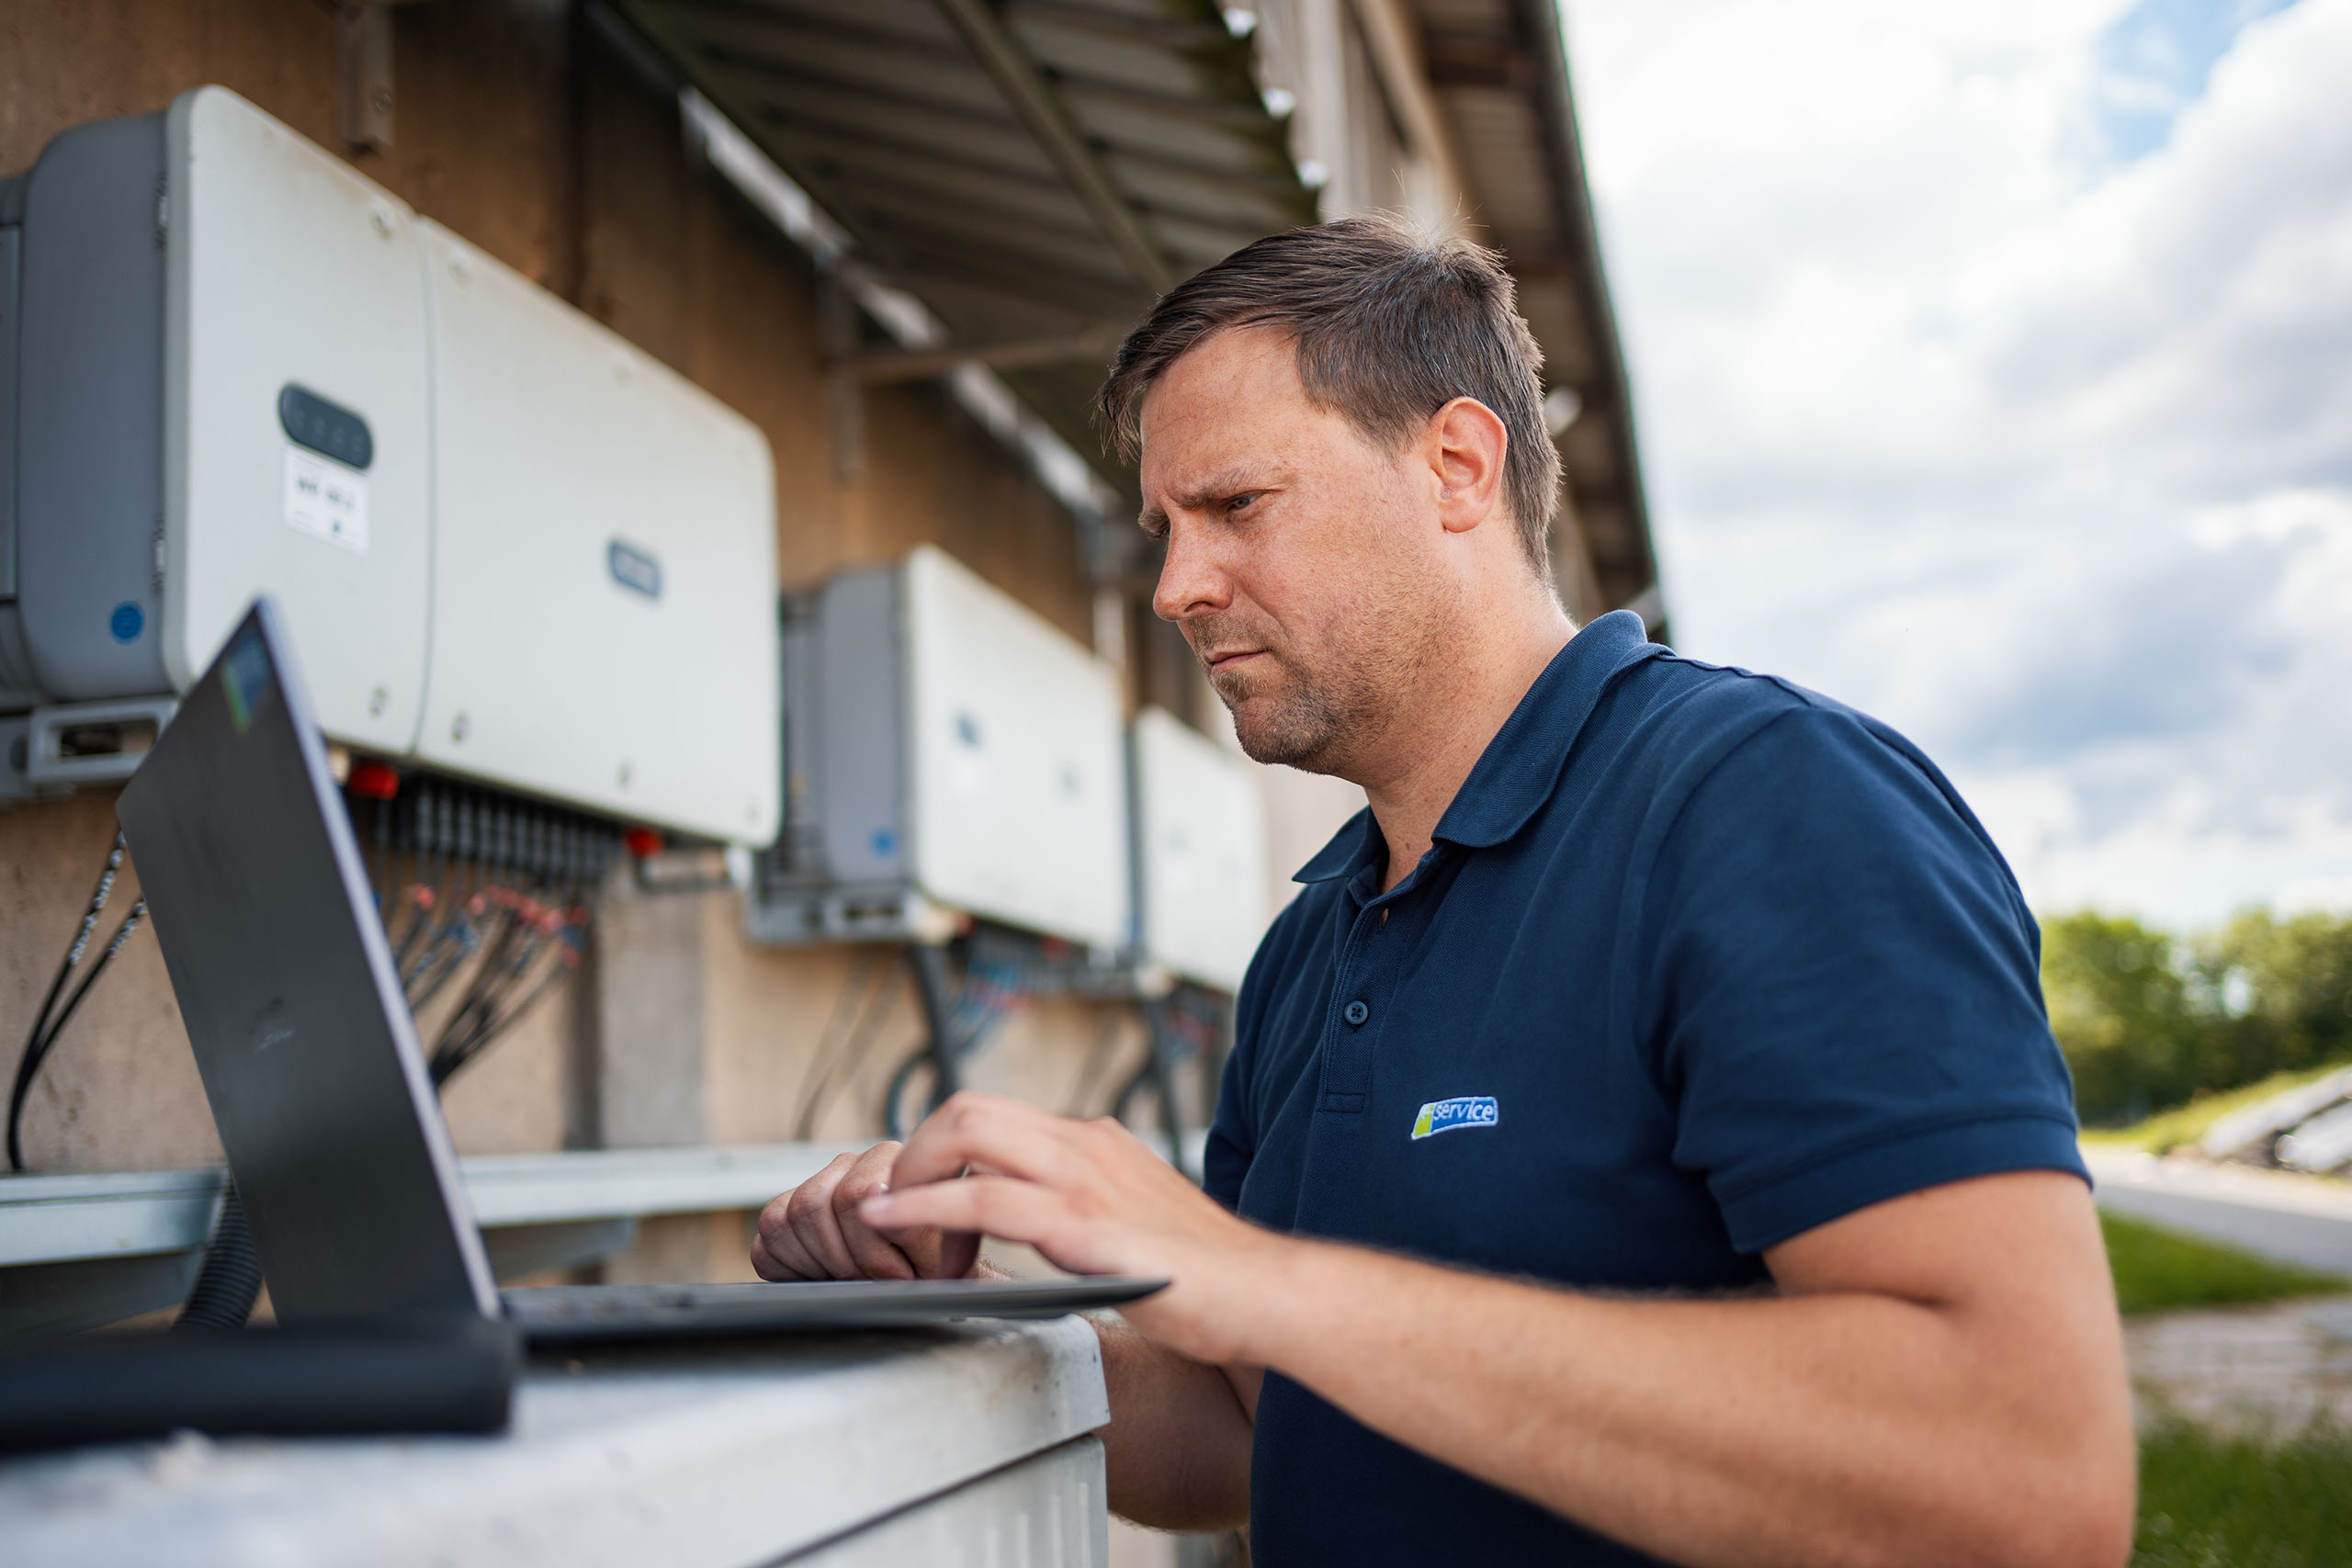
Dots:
pixel 860 762
pixel 90 481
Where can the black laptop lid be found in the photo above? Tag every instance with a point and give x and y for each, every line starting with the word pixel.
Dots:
pixel 263 909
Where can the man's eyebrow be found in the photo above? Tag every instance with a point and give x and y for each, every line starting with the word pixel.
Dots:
pixel 1153 519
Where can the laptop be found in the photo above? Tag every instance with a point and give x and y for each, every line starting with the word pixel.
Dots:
pixel 310 1057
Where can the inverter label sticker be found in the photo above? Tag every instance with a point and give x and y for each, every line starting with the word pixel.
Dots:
pixel 325 500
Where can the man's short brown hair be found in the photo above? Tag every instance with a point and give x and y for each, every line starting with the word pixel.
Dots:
pixel 1390 326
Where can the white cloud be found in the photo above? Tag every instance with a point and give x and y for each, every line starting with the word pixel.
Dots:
pixel 2029 434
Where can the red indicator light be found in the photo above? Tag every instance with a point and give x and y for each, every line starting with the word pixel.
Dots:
pixel 642 843
pixel 371 779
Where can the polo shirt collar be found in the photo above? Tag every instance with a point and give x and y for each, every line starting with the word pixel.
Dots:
pixel 1351 849
pixel 1516 772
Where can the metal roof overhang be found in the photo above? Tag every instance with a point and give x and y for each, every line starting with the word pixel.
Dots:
pixel 1500 71
pixel 1036 172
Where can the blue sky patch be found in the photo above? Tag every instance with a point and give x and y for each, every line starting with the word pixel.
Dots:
pixel 2154 60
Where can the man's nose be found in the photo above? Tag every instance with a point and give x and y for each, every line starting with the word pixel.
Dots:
pixel 1191 581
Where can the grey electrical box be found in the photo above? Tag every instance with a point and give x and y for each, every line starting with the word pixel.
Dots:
pixel 837 875
pixel 81 590
pixel 947 752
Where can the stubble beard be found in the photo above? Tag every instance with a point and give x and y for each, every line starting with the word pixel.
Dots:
pixel 1295 715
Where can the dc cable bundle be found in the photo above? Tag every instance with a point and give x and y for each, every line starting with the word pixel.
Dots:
pixel 455 836
pixel 957 1020
pixel 46 1029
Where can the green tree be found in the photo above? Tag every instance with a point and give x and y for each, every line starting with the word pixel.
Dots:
pixel 2118 1000
pixel 2276 995
pixel 2149 1021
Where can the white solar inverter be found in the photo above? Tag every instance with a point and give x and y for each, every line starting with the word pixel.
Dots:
pixel 948 751
pixel 1200 827
pixel 508 544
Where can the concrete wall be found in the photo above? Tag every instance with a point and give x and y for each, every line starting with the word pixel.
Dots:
pixel 517 130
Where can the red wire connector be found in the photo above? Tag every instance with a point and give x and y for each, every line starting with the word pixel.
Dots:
pixel 372 780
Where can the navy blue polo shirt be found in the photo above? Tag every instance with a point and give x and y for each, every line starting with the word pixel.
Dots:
pixel 1699 961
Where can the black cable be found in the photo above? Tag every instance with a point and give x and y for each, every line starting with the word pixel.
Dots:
pixel 1145 1076
pixel 454 940
pixel 35 1056
pixel 954 1025
pixel 849 1011
pixel 489 1018
pixel 449 1051
pixel 229 1282
pixel 44 1031
pixel 122 934
pixel 418 901
pixel 893 1122
pixel 1098 1057
pixel 1158 1073
pixel 555 974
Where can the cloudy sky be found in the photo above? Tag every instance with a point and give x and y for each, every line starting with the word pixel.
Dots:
pixel 1994 369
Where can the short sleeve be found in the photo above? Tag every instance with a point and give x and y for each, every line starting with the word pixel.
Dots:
pixel 1842 984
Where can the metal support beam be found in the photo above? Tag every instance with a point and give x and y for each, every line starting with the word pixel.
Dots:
pixel 1001 56
pixel 1130 27
pixel 837 341
pixel 919 365
pixel 1247 118
pixel 363 64
pixel 1455 59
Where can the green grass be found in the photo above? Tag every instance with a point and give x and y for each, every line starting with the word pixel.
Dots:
pixel 2157 1269
pixel 2169 1130
pixel 2208 1501
pixel 2214 1500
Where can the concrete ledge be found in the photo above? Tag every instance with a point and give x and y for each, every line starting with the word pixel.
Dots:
pixel 681 1454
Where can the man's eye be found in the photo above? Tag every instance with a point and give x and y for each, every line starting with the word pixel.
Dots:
pixel 1242 502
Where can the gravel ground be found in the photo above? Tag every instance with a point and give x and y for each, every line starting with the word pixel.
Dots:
pixel 2259 1369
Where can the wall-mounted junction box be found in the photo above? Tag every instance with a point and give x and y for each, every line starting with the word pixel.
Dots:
pixel 1200 842
pixel 948 751
pixel 510 544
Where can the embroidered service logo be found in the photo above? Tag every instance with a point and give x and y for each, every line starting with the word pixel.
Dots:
pixel 1462 1111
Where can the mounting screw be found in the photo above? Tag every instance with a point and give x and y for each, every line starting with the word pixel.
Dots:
pixel 377 701
pixel 457 727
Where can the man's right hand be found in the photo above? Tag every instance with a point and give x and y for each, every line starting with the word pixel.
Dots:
pixel 813 1231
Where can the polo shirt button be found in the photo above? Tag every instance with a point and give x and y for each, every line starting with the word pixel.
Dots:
pixel 1357 1012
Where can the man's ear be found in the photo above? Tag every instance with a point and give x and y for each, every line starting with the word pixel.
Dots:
pixel 1466 445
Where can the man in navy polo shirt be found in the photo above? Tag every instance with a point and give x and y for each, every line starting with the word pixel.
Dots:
pixel 1642 1139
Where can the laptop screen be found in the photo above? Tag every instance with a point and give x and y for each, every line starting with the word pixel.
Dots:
pixel 310 1058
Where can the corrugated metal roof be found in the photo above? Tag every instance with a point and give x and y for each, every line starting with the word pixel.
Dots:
pixel 1035 168
pixel 1026 170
